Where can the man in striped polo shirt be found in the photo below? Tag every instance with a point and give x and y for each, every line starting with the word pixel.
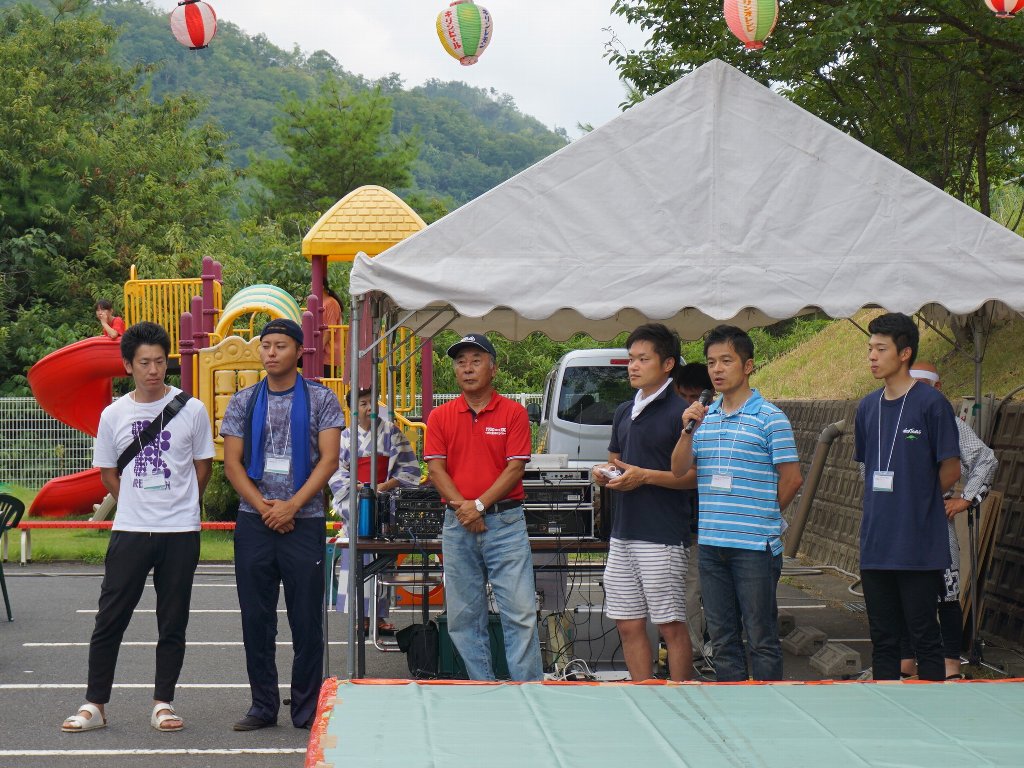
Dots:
pixel 747 472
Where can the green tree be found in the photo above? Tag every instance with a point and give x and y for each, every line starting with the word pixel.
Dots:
pixel 334 143
pixel 935 85
pixel 92 172
pixel 478 135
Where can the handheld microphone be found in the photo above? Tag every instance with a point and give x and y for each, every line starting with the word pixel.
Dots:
pixel 704 399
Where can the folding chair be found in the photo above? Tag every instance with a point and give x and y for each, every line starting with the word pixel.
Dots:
pixel 11 510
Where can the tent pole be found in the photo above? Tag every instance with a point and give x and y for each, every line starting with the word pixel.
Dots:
pixel 427 380
pixel 355 605
pixel 978 356
pixel 374 415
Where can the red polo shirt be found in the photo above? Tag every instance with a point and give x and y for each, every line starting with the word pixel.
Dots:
pixel 478 446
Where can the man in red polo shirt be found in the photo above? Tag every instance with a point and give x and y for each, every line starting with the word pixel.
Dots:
pixel 476 449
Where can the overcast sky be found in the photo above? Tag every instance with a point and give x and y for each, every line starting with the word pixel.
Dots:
pixel 548 56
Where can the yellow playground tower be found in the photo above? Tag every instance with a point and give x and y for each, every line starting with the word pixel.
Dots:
pixel 216 345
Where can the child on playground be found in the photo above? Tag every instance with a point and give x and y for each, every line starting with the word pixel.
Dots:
pixel 113 326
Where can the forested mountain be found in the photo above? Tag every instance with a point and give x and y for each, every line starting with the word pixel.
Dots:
pixel 118 146
pixel 472 139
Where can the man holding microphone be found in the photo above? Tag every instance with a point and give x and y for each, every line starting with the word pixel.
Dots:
pixel 748 471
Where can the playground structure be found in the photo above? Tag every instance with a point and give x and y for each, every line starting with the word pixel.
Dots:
pixel 216 347
pixel 370 220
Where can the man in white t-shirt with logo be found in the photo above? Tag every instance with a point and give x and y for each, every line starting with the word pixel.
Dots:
pixel 157 524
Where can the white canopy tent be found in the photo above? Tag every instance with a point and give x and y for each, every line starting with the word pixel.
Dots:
pixel 715 200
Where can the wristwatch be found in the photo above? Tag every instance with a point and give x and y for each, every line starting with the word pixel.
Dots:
pixel 479 506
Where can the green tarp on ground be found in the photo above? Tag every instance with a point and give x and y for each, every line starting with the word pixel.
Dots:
pixel 408 724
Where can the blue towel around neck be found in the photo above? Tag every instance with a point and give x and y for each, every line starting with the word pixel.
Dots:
pixel 255 454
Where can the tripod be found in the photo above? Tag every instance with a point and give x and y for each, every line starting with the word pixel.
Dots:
pixel 974 652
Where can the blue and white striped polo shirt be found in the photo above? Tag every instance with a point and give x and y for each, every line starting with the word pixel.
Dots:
pixel 746 445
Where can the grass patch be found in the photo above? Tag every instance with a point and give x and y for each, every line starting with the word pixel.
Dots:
pixel 90 545
pixel 832 365
pixel 26 495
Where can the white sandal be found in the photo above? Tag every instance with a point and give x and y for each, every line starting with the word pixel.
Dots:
pixel 77 723
pixel 163 712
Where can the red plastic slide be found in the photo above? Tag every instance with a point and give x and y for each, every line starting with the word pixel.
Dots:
pixel 74 385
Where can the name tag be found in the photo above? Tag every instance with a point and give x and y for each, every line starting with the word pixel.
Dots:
pixel 882 481
pixel 721 482
pixel 154 482
pixel 277 465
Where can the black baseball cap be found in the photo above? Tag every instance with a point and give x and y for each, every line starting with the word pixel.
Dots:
pixel 285 326
pixel 477 340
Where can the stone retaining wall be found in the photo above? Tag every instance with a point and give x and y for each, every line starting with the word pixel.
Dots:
pixel 833 527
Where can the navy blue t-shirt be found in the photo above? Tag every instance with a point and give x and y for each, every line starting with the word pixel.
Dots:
pixel 650 512
pixel 905 529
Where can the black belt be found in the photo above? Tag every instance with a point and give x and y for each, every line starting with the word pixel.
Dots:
pixel 503 506
pixel 499 506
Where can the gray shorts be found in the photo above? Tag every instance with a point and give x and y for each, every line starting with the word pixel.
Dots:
pixel 642 578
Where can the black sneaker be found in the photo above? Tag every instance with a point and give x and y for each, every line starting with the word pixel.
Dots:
pixel 252 723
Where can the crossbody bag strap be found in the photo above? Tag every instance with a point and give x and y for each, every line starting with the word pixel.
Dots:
pixel 169 412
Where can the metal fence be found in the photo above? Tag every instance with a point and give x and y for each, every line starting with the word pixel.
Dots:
pixel 35 447
pixel 523 398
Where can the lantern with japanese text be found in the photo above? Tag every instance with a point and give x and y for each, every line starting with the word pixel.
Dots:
pixel 465 30
pixel 752 20
pixel 1005 9
pixel 194 24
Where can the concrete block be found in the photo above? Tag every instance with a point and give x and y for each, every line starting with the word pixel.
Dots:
pixel 787 623
pixel 835 661
pixel 804 641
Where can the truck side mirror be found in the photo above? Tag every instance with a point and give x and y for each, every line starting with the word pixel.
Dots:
pixel 533 412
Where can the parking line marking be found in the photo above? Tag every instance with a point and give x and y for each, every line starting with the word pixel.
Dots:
pixel 850 640
pixel 191 610
pixel 65 686
pixel 433 609
pixel 801 607
pixel 152 644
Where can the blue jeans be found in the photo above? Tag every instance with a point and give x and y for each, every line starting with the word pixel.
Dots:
pixel 500 555
pixel 738 587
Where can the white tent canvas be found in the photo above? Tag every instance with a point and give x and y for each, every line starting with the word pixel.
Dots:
pixel 715 200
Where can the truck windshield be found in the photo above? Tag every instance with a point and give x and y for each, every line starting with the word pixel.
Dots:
pixel 590 394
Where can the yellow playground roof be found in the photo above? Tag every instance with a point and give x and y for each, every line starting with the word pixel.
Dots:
pixel 369 219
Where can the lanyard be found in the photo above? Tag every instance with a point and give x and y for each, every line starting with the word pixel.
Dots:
pixel 895 434
pixel 735 431
pixel 270 432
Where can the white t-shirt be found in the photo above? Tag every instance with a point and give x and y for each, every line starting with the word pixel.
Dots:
pixel 159 489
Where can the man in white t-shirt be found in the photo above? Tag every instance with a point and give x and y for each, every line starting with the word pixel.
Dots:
pixel 156 527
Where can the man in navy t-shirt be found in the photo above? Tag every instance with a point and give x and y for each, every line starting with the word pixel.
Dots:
pixel 647 554
pixel 281 443
pixel 907 439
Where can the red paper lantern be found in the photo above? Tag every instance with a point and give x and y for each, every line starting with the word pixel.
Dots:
pixel 194 24
pixel 1005 9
